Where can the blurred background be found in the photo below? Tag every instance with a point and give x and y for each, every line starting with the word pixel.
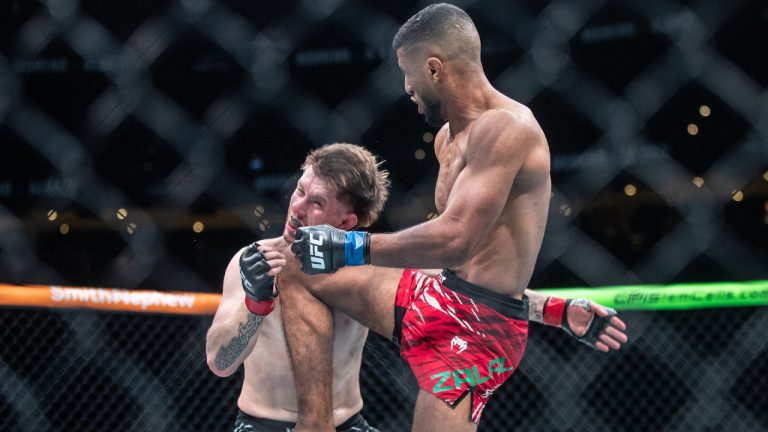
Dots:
pixel 143 143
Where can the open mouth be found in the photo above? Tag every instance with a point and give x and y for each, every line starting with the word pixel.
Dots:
pixel 294 223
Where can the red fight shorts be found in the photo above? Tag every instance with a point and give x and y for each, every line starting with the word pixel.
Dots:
pixel 458 337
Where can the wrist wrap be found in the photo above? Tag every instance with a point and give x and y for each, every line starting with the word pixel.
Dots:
pixel 357 248
pixel 263 307
pixel 554 311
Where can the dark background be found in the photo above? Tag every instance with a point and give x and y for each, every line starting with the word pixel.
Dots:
pixel 121 125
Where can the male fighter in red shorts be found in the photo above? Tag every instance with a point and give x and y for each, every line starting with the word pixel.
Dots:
pixel 463 332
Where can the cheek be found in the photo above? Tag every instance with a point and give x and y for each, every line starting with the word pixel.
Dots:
pixel 297 203
pixel 318 216
pixel 327 217
pixel 413 84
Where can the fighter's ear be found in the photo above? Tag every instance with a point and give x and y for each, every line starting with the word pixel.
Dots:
pixel 349 221
pixel 435 66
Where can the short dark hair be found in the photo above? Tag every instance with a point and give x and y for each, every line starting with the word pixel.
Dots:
pixel 440 25
pixel 355 175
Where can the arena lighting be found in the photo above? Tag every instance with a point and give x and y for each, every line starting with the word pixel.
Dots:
pixel 256 164
pixel 630 189
pixel 693 130
pixel 698 181
pixel 198 227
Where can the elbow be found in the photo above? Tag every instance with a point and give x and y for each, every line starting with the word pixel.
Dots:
pixel 456 241
pixel 213 358
pixel 458 250
pixel 223 373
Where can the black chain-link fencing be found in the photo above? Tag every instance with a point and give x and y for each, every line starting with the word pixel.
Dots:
pixel 142 143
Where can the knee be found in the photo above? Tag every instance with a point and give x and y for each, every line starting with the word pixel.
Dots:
pixel 293 290
pixel 295 283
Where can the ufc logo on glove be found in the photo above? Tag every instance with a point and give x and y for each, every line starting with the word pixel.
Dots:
pixel 325 249
pixel 316 256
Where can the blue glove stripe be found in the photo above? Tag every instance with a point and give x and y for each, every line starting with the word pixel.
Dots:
pixel 353 248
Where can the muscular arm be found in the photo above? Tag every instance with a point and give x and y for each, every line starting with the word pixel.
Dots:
pixel 231 337
pixel 580 314
pixel 494 154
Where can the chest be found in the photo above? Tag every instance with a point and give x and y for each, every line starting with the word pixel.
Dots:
pixel 452 160
pixel 271 348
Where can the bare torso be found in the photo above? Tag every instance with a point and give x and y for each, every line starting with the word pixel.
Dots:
pixel 269 389
pixel 504 260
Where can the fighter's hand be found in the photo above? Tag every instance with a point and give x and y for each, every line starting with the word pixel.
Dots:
pixel 594 325
pixel 325 249
pixel 258 268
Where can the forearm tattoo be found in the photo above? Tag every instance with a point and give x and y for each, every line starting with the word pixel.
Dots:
pixel 536 308
pixel 229 353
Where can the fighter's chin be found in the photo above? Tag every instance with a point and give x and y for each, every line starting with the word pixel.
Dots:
pixel 289 233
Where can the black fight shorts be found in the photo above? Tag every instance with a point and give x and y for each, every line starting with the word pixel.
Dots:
pixel 247 423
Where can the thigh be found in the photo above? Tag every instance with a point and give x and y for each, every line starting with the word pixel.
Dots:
pixel 432 414
pixel 365 293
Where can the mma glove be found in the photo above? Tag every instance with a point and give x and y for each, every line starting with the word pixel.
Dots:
pixel 556 314
pixel 325 249
pixel 258 286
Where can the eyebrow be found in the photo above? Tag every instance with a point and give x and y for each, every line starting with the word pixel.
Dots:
pixel 318 198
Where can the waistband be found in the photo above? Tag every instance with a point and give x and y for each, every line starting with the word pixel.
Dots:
pixel 508 306
pixel 278 425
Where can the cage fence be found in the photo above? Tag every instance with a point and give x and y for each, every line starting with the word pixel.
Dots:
pixel 142 144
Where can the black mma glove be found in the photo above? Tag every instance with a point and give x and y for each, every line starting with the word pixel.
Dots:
pixel 325 249
pixel 258 286
pixel 595 326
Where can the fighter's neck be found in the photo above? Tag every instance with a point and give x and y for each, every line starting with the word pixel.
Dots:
pixel 467 102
